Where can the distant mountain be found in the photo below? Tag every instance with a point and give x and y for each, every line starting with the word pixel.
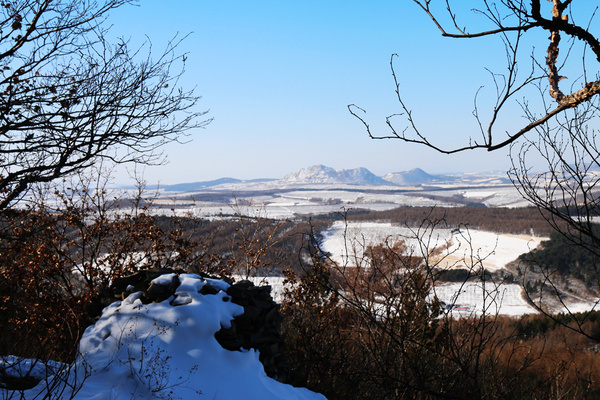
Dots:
pixel 187 187
pixel 324 174
pixel 413 177
pixel 321 174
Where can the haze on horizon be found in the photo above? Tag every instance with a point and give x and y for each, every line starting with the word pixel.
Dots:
pixel 277 77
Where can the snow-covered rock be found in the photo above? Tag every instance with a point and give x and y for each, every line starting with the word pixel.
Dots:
pixel 166 350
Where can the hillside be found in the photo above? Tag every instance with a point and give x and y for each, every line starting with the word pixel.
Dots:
pixel 318 174
pixel 413 177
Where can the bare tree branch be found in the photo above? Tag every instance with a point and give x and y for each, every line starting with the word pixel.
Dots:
pixel 511 20
pixel 69 97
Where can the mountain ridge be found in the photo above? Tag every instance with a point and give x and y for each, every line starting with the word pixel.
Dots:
pixel 323 175
pixel 318 174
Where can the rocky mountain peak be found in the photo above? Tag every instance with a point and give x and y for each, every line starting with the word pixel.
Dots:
pixel 322 174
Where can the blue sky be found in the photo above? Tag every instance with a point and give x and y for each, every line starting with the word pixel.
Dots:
pixel 277 76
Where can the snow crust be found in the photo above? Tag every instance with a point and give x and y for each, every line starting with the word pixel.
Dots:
pixel 166 350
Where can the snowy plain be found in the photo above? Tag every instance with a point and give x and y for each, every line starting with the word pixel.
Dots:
pixel 346 241
pixel 280 199
pixel 490 298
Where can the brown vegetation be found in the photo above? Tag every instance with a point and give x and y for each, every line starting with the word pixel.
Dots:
pixel 366 332
pixel 372 332
pixel 56 263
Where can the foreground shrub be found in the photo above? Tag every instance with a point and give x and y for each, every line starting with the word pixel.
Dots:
pixel 372 331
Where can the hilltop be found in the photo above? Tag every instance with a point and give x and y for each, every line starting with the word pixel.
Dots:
pixel 415 176
pixel 323 174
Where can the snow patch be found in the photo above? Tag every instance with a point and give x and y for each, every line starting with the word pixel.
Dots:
pixel 489 297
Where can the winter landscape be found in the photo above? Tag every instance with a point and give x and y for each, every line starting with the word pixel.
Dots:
pixel 319 189
pixel 144 349
pixel 230 200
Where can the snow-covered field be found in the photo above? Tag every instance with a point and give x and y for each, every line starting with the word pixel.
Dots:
pixel 468 248
pixel 163 350
pixel 465 249
pixel 471 297
pixel 494 196
pixel 493 251
pixel 491 298
pixel 276 200
pixel 346 242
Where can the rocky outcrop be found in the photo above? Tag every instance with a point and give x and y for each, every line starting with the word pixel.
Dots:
pixel 257 328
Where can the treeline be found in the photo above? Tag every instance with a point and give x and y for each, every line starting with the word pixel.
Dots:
pixel 537 326
pixel 564 255
pixel 500 220
pixel 240 244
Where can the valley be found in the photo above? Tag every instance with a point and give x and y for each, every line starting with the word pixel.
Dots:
pixel 479 220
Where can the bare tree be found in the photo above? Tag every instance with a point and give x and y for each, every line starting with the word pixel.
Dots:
pixel 558 119
pixel 567 192
pixel 514 21
pixel 69 96
pixel 568 188
pixel 386 334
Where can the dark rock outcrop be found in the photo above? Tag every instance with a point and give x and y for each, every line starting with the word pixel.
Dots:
pixel 257 328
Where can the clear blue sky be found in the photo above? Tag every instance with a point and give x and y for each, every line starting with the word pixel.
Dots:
pixel 277 76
